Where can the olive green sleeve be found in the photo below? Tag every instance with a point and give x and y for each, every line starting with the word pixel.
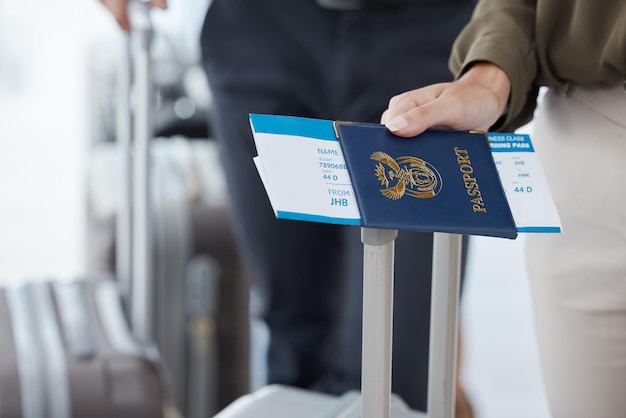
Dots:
pixel 502 32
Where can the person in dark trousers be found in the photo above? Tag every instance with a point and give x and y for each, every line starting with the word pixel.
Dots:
pixel 336 60
pixel 576 51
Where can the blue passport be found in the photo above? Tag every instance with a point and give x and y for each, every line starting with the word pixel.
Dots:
pixel 438 181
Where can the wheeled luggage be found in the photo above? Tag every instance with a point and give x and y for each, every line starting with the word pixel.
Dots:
pixel 84 348
pixel 375 399
pixel 200 287
pixel 200 283
pixel 67 351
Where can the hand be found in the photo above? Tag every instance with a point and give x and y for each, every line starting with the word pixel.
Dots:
pixel 473 102
pixel 119 9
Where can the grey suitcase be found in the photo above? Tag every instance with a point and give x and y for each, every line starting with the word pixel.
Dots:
pixel 200 287
pixel 375 399
pixel 67 351
pixel 200 284
pixel 84 348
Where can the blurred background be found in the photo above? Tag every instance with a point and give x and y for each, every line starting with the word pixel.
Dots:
pixel 52 53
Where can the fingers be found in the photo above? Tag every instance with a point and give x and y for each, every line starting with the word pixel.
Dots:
pixel 407 124
pixel 119 10
pixel 404 102
pixel 123 21
pixel 460 105
pixel 159 4
pixel 413 112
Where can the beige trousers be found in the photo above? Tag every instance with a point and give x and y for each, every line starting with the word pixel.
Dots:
pixel 578 278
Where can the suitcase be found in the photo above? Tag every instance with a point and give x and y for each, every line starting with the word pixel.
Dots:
pixel 375 399
pixel 200 284
pixel 83 348
pixel 67 351
pixel 200 287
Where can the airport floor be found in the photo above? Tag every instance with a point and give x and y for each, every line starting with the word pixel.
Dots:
pixel 43 127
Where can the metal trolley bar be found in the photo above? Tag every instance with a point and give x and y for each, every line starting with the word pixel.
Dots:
pixel 378 323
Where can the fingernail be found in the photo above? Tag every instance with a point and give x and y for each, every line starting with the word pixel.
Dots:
pixel 397 124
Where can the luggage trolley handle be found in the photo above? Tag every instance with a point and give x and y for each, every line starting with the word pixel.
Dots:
pixel 378 259
pixel 444 320
pixel 378 247
pixel 135 130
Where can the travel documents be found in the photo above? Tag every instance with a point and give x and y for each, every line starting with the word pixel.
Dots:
pixel 439 181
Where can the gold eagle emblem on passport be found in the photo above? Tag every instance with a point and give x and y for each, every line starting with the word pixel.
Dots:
pixel 406 175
